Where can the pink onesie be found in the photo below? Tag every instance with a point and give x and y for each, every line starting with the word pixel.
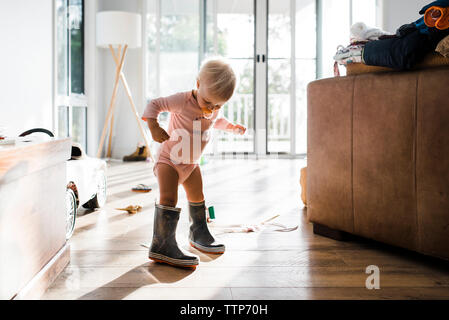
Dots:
pixel 188 130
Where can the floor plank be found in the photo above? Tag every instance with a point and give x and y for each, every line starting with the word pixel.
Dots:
pixel 339 294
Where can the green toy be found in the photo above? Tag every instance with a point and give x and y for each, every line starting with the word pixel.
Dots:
pixel 211 212
pixel 203 160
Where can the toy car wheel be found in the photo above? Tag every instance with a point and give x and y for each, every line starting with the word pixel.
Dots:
pixel 71 209
pixel 100 198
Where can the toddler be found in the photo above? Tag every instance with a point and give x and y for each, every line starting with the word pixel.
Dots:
pixel 192 114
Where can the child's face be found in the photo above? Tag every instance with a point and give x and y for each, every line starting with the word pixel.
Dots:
pixel 207 101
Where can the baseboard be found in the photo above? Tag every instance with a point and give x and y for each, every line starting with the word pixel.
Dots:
pixel 327 232
pixel 44 278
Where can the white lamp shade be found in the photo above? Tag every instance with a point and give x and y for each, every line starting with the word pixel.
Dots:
pixel 119 28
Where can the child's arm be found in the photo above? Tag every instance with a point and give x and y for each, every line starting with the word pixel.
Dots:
pixel 225 125
pixel 158 133
pixel 172 103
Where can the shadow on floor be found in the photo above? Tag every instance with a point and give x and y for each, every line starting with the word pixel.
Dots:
pixel 93 225
pixel 147 274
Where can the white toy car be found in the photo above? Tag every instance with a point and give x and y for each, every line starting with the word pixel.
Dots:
pixel 86 185
pixel 86 181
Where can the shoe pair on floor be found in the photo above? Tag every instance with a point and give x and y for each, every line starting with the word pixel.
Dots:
pixel 164 247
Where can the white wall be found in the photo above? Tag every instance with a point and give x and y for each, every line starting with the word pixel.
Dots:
pixel 399 12
pixel 26 82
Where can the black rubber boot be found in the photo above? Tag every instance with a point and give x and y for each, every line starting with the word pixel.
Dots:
pixel 164 247
pixel 199 235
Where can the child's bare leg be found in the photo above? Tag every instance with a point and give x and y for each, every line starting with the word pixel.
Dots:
pixel 168 185
pixel 194 186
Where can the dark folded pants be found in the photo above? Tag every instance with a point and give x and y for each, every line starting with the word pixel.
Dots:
pixel 401 52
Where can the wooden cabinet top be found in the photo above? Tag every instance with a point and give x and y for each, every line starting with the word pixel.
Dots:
pixel 31 154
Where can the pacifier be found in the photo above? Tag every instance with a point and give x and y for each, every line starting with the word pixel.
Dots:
pixel 207 113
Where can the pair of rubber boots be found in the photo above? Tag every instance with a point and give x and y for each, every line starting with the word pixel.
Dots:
pixel 164 247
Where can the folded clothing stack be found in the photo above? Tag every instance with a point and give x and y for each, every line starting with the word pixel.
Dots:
pixel 349 54
pixel 360 35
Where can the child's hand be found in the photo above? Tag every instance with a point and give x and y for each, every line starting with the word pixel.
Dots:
pixel 239 129
pixel 158 134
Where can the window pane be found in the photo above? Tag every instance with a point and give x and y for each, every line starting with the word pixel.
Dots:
pixel 61 46
pixel 239 109
pixel 76 45
pixel 79 124
pixel 305 38
pixel 305 73
pixel 279 76
pixel 152 42
pixel 63 121
pixel 335 31
pixel 233 34
pixel 179 43
pixel 230 33
pixel 305 32
pixel 172 48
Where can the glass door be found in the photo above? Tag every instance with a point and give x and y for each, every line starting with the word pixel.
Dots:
pixel 291 66
pixel 229 32
pixel 172 48
pixel 181 34
pixel 271 45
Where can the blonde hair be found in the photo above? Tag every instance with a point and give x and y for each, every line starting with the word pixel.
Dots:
pixel 218 77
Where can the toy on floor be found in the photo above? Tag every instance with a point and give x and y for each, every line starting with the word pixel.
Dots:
pixel 141 188
pixel 131 209
pixel 203 161
pixel 210 214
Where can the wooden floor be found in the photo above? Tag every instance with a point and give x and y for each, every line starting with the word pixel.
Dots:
pixel 108 261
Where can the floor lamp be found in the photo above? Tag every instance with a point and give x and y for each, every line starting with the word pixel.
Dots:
pixel 118 30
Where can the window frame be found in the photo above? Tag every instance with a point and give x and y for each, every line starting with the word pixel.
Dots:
pixel 71 100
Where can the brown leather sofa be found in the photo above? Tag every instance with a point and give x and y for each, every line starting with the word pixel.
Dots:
pixel 378 158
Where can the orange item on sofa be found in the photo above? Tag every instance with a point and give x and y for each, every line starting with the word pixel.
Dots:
pixel 437 17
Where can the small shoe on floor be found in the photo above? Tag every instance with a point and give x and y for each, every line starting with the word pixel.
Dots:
pixel 141 154
pixel 141 188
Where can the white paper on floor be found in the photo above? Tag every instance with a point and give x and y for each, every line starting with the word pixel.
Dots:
pixel 246 228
